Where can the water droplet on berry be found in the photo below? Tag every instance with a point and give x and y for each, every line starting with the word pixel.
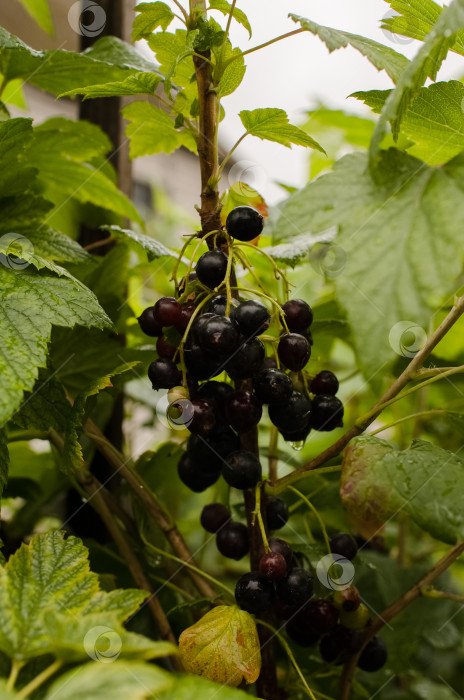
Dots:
pixel 298 446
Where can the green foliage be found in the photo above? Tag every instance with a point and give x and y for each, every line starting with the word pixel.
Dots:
pixel 272 124
pixel 153 131
pixel 137 84
pixel 152 15
pixel 4 461
pixel 40 11
pixel 237 14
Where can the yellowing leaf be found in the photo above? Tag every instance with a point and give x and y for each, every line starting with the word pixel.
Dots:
pixel 222 646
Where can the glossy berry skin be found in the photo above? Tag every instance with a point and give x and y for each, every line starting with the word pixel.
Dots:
pixel 297 435
pixel 243 411
pixel 198 325
pixel 320 615
pixel 297 588
pixel 294 351
pixel 203 416
pixel 219 335
pixel 148 324
pixel 327 413
pixel 254 593
pixel 344 544
pixel 186 313
pixel 273 386
pixel 192 477
pixel 214 516
pixel 292 416
pixel 298 315
pixel 217 392
pixel 211 268
pixel 281 547
pixel 200 364
pixel 273 566
pixel 324 383
pixel 164 374
pixel 244 223
pixel 247 360
pixel 167 311
pixel 374 655
pixel 252 318
pixel 218 305
pixel 300 633
pixel 242 470
pixel 339 644
pixel 165 349
pixel 232 540
pixel 210 451
pixel 276 513
pixel 355 620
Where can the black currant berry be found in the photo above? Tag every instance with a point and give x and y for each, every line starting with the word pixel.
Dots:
pixel 295 415
pixel 198 325
pixel 297 435
pixel 217 392
pixel 273 566
pixel 344 544
pixel 242 470
pixel 244 223
pixel 219 335
pixel 276 513
pixel 252 318
pixel 324 383
pixel 374 655
pixel 294 351
pixel 327 413
pixel 273 386
pixel 195 479
pixel 164 374
pixel 211 268
pixel 297 588
pixel 320 615
pixel 214 516
pixel 243 411
pixel 200 364
pixel 148 324
pixel 281 547
pixel 167 311
pixel 218 305
pixel 202 417
pixel 247 360
pixel 339 644
pixel 210 451
pixel 298 315
pixel 186 313
pixel 300 633
pixel 232 540
pixel 254 593
pixel 270 363
pixel 165 349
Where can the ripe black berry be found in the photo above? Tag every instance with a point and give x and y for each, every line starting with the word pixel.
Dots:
pixel 344 544
pixel 281 547
pixel 374 655
pixel 217 392
pixel 273 566
pixel 242 470
pixel 218 305
pixel 252 318
pixel 186 313
pixel 195 479
pixel 165 349
pixel 211 268
pixel 297 435
pixel 214 516
pixel 270 363
pixel 327 413
pixel 298 315
pixel 339 644
pixel 276 513
pixel 164 374
pixel 294 351
pixel 148 324
pixel 198 325
pixel 219 335
pixel 324 383
pixel 244 223
pixel 254 593
pixel 167 311
pixel 209 451
pixel 300 633
pixel 297 588
pixel 232 540
pixel 247 360
pixel 243 411
pixel 273 386
pixel 202 416
pixel 200 364
pixel 292 416
pixel 320 615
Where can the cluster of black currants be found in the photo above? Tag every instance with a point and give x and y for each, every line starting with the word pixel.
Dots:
pixel 335 623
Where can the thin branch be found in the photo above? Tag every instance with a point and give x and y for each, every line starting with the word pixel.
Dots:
pixel 40 679
pixel 176 2
pixel 364 422
pixel 394 609
pixel 267 43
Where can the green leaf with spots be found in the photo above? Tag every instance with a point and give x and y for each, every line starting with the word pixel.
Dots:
pixel 271 124
pixel 30 304
pixel 151 130
pixel 237 14
pixel 151 16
